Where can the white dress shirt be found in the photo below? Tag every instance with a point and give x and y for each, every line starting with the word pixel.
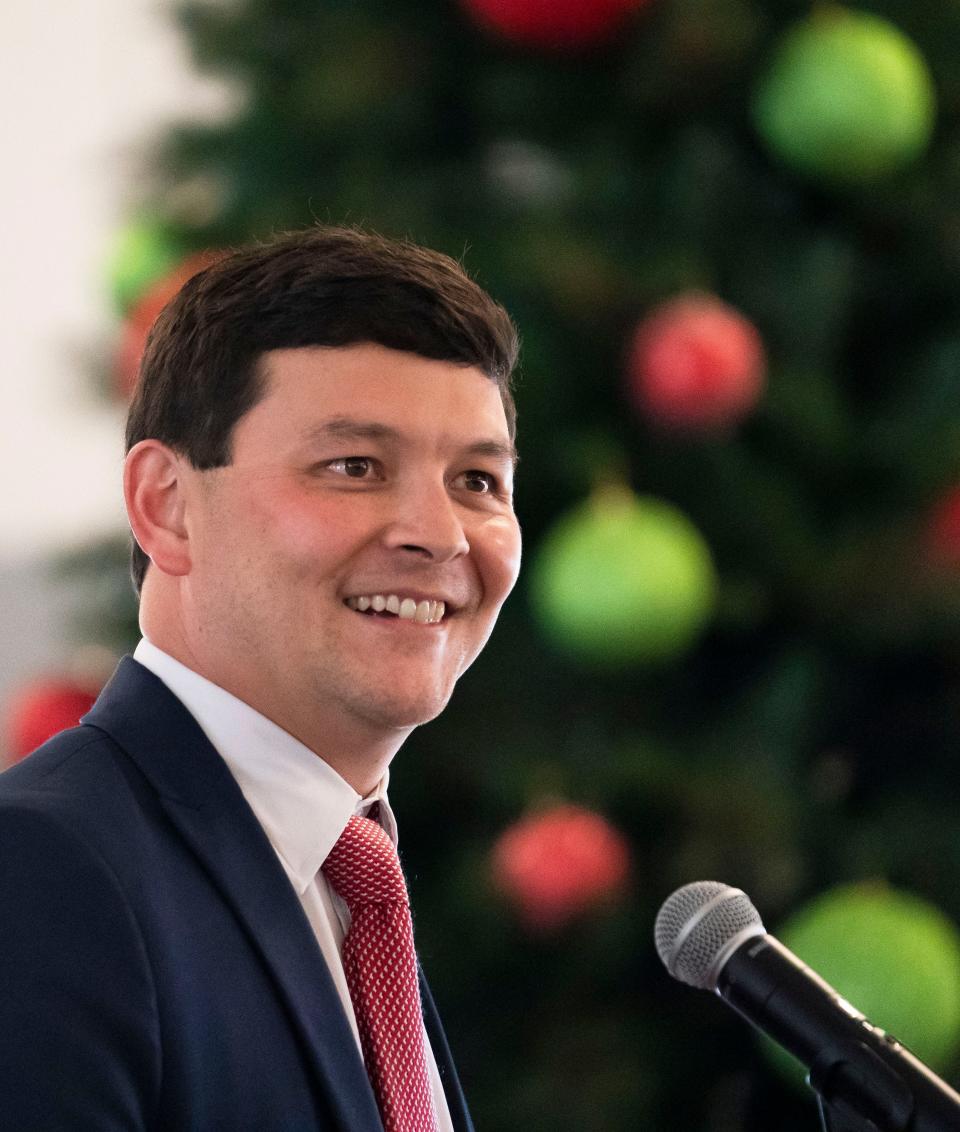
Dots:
pixel 302 804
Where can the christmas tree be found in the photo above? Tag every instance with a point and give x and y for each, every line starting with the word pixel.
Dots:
pixel 730 236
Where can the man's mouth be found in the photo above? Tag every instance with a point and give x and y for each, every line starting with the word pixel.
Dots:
pixel 424 612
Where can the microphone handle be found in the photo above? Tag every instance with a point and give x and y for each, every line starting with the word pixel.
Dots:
pixel 854 1066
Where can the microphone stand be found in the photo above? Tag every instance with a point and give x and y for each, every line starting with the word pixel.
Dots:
pixel 836 1119
pixel 859 1091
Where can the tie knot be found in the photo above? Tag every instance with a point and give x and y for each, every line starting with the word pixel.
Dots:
pixel 363 866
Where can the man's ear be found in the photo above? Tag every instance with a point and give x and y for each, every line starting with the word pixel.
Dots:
pixel 154 491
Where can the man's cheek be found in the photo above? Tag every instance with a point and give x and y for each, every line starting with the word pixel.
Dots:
pixel 506 552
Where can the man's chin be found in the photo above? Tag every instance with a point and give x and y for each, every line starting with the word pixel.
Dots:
pixel 403 713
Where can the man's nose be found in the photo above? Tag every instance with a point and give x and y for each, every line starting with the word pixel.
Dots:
pixel 426 521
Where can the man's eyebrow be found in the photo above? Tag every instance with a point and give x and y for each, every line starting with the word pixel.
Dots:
pixel 494 450
pixel 350 428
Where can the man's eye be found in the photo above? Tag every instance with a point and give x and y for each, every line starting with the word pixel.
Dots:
pixel 481 483
pixel 356 467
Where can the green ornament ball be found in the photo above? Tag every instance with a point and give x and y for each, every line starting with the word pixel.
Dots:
pixel 894 956
pixel 847 98
pixel 623 579
pixel 143 252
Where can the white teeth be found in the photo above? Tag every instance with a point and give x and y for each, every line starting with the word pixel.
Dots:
pixel 409 609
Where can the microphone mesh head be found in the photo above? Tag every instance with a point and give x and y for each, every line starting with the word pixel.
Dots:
pixel 696 926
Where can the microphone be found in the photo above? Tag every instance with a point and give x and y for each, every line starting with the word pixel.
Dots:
pixel 710 936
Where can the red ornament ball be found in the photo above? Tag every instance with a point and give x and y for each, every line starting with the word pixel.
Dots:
pixel 943 531
pixel 553 24
pixel 559 863
pixel 42 708
pixel 144 314
pixel 696 364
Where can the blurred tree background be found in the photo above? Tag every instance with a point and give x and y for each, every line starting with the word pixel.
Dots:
pixel 729 231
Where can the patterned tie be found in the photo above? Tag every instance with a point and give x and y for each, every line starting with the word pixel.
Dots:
pixel 381 970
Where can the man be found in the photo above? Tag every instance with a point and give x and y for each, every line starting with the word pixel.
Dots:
pixel 318 480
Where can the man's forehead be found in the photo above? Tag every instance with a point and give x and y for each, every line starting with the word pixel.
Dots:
pixel 368 388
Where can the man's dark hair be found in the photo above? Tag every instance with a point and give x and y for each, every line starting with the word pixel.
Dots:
pixel 201 369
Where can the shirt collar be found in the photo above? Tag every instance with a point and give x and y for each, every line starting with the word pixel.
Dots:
pixel 300 800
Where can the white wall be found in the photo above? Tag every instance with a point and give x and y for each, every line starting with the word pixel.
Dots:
pixel 83 88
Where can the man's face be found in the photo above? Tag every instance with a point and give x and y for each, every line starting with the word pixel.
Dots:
pixel 363 475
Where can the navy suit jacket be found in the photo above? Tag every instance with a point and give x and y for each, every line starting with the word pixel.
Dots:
pixel 156 968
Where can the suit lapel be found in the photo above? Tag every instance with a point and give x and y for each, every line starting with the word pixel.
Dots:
pixel 206 807
pixel 456 1101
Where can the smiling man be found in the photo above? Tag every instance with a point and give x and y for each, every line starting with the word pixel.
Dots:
pixel 205 925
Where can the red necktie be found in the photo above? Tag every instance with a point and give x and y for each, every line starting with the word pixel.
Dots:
pixel 381 970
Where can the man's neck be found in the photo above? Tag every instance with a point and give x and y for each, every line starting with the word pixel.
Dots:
pixel 358 752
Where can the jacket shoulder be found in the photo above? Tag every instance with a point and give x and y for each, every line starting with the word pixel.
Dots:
pixel 67 767
pixel 49 757
pixel 79 1009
